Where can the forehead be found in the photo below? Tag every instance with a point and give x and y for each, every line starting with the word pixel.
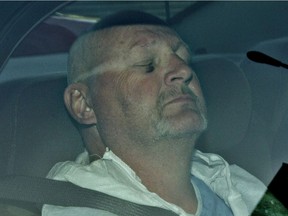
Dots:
pixel 128 37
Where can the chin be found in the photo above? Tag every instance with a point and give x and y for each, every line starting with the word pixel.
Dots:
pixel 182 126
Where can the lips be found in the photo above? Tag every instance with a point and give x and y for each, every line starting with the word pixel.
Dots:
pixel 181 99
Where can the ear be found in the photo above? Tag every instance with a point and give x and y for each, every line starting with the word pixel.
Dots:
pixel 77 101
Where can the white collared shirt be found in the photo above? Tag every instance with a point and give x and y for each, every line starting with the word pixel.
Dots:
pixel 240 190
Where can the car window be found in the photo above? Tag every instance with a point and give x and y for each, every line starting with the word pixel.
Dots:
pixel 247 101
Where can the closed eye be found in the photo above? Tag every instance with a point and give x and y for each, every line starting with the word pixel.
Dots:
pixel 149 67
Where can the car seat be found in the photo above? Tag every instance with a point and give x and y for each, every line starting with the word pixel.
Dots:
pixel 36 130
pixel 269 86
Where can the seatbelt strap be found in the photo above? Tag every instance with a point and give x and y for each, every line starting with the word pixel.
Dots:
pixel 47 191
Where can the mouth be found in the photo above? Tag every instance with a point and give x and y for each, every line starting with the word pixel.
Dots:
pixel 184 99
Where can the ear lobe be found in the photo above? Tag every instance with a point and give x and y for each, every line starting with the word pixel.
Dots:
pixel 77 103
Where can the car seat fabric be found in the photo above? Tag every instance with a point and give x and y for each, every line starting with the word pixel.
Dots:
pixel 228 100
pixel 36 131
pixel 270 96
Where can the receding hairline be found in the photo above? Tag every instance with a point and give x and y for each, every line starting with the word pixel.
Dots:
pixel 76 62
pixel 80 66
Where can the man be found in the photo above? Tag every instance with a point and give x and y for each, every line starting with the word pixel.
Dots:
pixel 140 111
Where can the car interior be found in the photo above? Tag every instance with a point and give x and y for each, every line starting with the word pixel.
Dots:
pixel 247 101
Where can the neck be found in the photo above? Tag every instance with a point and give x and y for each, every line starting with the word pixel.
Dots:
pixel 164 168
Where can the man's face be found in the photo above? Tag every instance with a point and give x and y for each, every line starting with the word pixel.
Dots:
pixel 144 88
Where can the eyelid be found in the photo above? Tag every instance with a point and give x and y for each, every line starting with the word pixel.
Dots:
pixel 144 63
pixel 147 65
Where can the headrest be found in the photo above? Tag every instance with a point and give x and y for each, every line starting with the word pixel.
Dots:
pixel 266 79
pixel 36 131
pixel 270 96
pixel 228 100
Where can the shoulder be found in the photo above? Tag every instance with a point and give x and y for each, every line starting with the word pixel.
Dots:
pixel 250 187
pixel 237 187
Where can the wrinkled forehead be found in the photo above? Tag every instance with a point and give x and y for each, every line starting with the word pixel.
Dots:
pixel 120 40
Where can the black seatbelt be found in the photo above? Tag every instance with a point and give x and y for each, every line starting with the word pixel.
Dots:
pixel 46 191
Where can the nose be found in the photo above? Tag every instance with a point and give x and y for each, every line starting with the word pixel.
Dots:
pixel 178 72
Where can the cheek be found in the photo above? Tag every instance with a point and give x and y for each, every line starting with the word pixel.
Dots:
pixel 146 90
pixel 138 89
pixel 104 94
pixel 126 93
